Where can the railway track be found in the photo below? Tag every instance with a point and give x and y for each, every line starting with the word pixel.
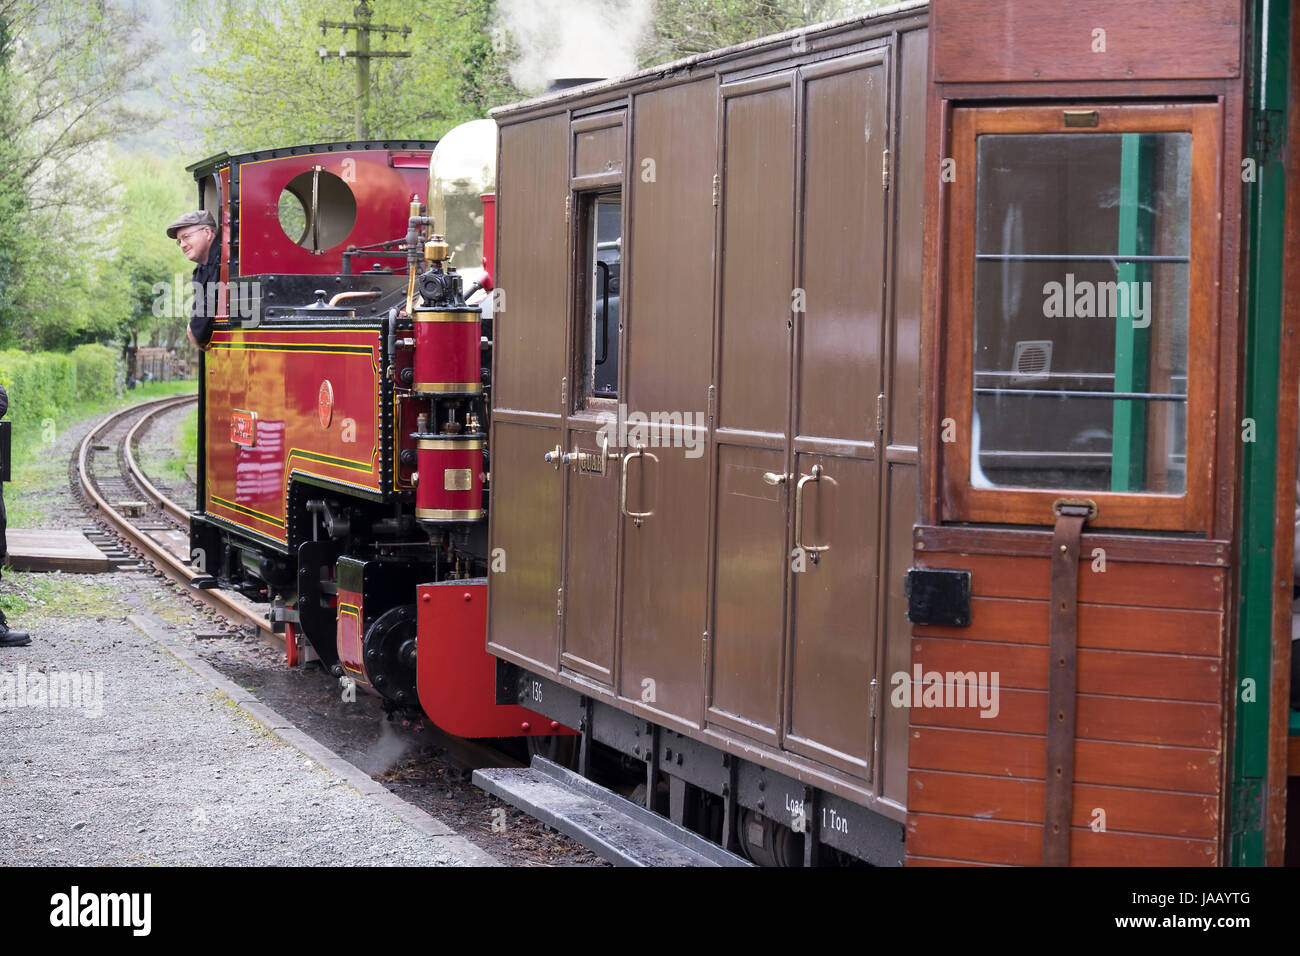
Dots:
pixel 150 522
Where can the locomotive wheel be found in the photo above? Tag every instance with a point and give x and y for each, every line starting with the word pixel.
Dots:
pixel 389 652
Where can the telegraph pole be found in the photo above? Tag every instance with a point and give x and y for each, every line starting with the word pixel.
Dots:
pixel 363 27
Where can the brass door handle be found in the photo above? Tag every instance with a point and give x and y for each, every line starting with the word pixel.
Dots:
pixel 554 456
pixel 816 475
pixel 636 516
pixel 773 478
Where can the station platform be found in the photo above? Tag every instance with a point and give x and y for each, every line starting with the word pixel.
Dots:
pixel 118 746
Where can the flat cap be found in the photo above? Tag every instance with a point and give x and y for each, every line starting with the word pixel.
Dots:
pixel 199 217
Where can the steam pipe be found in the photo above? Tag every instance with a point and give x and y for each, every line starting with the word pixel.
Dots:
pixel 354 295
pixel 414 253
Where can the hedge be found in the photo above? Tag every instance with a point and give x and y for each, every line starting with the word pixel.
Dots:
pixel 46 384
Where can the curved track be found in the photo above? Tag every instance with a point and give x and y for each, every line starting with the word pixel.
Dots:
pixel 151 522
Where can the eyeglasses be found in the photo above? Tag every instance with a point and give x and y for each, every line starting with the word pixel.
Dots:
pixel 185 237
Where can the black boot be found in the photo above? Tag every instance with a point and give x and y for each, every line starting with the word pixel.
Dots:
pixel 10 638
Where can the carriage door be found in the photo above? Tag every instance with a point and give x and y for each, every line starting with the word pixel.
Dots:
pixel 591 455
pixel 664 494
pixel 801 409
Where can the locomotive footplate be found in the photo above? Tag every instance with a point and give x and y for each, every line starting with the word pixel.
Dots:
pixel 751 793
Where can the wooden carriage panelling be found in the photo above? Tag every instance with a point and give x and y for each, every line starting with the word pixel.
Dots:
pixel 1147 701
pixel 766 207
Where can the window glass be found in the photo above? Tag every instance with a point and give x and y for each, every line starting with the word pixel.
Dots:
pixel 1081 311
pixel 603 255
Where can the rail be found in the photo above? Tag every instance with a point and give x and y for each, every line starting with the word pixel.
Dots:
pixel 167 562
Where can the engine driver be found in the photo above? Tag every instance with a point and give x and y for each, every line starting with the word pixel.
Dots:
pixel 196 233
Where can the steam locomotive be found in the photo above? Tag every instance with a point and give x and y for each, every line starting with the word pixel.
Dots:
pixel 345 404
pixel 816 510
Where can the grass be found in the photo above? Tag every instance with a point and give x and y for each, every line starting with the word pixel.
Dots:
pixel 36 470
pixel 46 593
pixel 183 465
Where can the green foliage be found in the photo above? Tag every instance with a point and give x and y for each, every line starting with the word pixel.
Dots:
pixel 39 385
pixel 685 27
pixel 97 369
pixel 46 384
pixel 156 191
pixel 65 69
pixel 265 87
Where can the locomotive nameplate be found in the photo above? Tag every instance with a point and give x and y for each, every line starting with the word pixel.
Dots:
pixel 243 428
pixel 456 479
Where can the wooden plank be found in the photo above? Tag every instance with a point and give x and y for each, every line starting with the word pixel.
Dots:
pixel 1044 40
pixel 54 550
pixel 1293 757
pixel 1128 810
pixel 1116 673
pixel 1020 844
pixel 1111 626
pixel 1123 719
pixel 1023 755
pixel 1138 585
pixel 1025 542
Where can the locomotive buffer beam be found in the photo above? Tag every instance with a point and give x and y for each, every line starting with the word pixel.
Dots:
pixel 615 829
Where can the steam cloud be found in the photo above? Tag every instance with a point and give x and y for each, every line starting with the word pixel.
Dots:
pixel 569 38
pixel 385 752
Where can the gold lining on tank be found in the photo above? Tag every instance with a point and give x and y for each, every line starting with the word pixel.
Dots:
pixel 449 444
pixel 447 387
pixel 449 514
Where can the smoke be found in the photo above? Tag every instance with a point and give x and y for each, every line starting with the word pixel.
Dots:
pixel 385 752
pixel 570 38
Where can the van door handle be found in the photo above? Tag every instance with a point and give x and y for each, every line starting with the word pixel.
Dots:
pixel 636 516
pixel 816 475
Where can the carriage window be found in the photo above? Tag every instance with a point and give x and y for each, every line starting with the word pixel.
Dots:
pixel 601 247
pixel 1081 285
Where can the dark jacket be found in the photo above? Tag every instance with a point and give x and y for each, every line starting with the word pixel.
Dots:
pixel 206 275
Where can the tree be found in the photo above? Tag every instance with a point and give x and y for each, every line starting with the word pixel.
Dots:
pixel 66 68
pixel 686 27
pixel 12 199
pixel 155 190
pixel 262 81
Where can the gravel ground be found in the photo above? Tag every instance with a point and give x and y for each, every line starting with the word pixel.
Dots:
pixel 48 806
pixel 406 758
pixel 156 767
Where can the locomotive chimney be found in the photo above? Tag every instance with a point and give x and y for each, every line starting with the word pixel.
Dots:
pixel 568 82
